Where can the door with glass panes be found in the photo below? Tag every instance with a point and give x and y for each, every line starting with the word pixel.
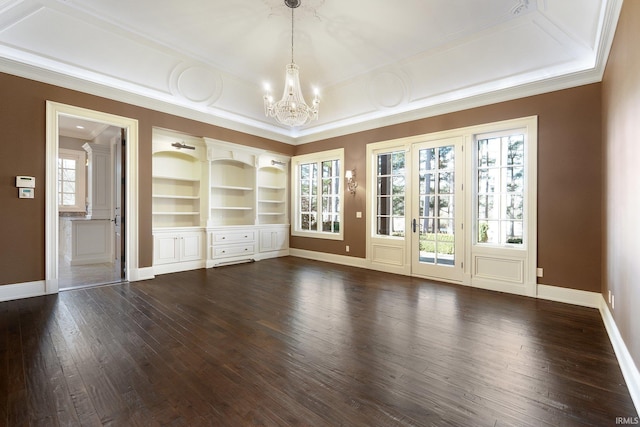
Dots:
pixel 437 209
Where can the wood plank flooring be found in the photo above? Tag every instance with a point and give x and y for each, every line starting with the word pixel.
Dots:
pixel 293 342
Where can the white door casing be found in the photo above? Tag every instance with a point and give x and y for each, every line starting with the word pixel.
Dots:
pixel 53 111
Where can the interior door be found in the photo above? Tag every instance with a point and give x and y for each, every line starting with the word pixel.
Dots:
pixel 438 209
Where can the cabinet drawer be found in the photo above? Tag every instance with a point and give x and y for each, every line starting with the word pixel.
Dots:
pixel 233 250
pixel 233 236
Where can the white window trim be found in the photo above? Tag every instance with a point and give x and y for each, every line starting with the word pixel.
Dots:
pixel 81 173
pixel 296 161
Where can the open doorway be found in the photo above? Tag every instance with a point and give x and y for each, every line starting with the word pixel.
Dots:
pixel 91 195
pixel 115 204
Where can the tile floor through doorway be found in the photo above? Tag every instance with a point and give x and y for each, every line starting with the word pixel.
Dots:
pixel 86 275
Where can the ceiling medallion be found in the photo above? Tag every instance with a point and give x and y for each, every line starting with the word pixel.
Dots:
pixel 291 110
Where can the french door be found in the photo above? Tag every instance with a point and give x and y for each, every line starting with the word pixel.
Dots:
pixel 437 241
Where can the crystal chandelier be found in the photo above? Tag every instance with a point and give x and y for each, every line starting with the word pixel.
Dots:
pixel 291 110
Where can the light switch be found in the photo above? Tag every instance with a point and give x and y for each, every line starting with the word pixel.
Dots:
pixel 358 214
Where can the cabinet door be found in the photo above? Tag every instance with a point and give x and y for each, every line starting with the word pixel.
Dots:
pixel 166 249
pixel 191 246
pixel 273 240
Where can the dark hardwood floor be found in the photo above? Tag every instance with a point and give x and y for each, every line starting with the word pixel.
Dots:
pixel 295 342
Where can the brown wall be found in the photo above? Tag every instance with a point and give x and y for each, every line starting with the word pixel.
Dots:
pixel 569 179
pixel 569 240
pixel 22 152
pixel 621 202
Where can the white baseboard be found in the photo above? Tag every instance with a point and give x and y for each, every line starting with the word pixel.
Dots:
pixel 502 286
pixel 144 273
pixel 177 267
pixel 333 258
pixel 569 296
pixel 271 254
pixel 22 290
pixel 627 365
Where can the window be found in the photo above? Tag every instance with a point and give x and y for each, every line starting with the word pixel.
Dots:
pixel 317 190
pixel 500 185
pixel 390 194
pixel 71 180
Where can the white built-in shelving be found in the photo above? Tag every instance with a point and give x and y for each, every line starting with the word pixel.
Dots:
pixel 217 203
pixel 176 185
pixel 178 164
pixel 272 190
pixel 232 199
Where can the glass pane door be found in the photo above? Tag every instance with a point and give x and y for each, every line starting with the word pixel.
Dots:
pixel 436 232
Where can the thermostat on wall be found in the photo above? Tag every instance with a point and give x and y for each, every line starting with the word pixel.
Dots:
pixel 25 193
pixel 25 182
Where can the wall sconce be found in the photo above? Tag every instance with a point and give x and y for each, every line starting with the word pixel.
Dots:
pixel 351 182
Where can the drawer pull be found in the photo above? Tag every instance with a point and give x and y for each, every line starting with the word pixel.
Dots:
pixel 223 238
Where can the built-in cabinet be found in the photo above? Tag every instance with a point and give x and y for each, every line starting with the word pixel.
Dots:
pixel 179 169
pixel 216 203
pixel 274 238
pixel 177 250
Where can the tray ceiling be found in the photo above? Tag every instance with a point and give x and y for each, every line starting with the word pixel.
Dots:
pixel 375 62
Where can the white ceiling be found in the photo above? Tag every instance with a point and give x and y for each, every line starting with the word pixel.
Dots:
pixel 87 130
pixel 376 62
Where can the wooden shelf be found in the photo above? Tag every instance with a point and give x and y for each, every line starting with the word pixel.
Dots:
pixel 271 201
pixel 271 187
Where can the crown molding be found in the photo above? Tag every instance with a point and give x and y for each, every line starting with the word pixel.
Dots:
pixel 62 75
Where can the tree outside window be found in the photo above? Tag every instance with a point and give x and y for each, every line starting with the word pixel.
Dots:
pixel 390 197
pixel 500 190
pixel 317 182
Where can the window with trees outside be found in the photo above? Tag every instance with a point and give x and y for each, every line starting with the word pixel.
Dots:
pixel 500 186
pixel 390 194
pixel 71 180
pixel 317 186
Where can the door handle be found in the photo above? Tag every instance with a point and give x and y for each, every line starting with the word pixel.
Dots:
pixel 414 224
